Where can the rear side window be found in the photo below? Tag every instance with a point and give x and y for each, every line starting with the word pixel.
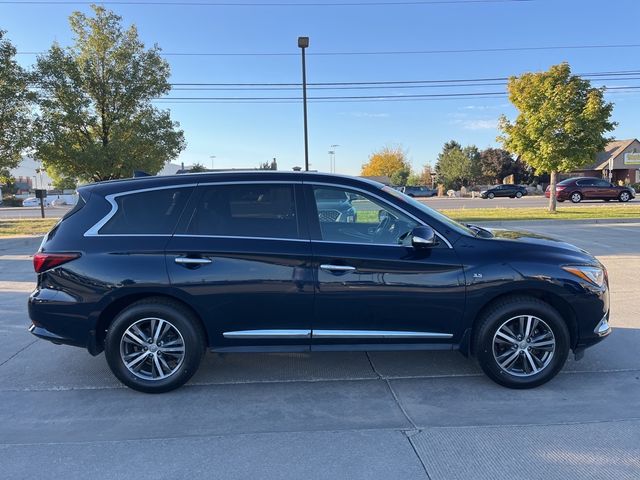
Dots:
pixel 151 212
pixel 246 210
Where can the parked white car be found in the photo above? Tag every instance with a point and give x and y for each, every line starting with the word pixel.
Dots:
pixel 35 202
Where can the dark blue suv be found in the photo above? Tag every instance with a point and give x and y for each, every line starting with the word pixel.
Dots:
pixel 156 270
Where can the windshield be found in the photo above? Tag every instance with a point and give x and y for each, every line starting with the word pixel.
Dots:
pixel 455 226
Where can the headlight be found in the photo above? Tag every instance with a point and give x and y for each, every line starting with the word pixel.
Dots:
pixel 595 275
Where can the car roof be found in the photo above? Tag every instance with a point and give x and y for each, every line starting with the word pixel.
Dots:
pixel 153 181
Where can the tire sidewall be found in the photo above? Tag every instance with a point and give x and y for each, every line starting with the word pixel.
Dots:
pixel 193 341
pixel 484 343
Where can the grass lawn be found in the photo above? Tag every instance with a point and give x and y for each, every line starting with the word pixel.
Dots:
pixel 537 213
pixel 38 226
pixel 27 226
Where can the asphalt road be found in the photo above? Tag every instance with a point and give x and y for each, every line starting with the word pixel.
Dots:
pixel 444 203
pixel 376 415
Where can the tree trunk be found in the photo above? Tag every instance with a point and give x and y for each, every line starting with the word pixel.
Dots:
pixel 552 192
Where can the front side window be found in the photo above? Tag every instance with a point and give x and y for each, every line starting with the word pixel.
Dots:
pixel 154 212
pixel 246 210
pixel 352 217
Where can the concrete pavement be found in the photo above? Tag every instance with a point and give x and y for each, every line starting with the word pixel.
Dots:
pixel 345 415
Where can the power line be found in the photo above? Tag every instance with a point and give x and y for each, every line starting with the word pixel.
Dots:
pixel 266 4
pixel 360 97
pixel 389 52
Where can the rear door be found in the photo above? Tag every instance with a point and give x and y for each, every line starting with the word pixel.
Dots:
pixel 373 290
pixel 242 259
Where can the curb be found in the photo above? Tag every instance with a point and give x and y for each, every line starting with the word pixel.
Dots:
pixel 585 221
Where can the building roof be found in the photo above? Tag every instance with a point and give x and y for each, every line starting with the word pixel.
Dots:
pixel 611 151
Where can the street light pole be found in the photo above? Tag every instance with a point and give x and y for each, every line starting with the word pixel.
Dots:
pixel 212 157
pixel 303 43
pixel 333 157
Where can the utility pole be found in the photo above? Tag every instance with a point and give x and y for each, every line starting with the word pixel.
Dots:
pixel 333 157
pixel 303 43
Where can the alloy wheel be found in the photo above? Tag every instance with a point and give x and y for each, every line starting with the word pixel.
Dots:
pixel 152 349
pixel 624 197
pixel 576 197
pixel 524 345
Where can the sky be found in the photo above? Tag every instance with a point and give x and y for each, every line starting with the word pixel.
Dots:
pixel 242 135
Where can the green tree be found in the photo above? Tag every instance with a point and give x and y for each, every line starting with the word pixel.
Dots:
pixel 15 108
pixel 61 181
pixel 388 161
pixel 97 121
pixel 457 166
pixel 495 164
pixel 197 168
pixel 561 122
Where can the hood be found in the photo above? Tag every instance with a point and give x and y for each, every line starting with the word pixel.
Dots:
pixel 531 238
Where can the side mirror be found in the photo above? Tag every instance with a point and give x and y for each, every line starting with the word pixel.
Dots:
pixel 423 237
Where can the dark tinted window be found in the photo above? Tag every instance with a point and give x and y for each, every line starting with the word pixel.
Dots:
pixel 602 183
pixel 567 181
pixel 152 212
pixel 587 182
pixel 246 210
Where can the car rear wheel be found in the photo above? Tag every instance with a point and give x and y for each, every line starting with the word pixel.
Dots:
pixel 490 195
pixel 154 345
pixel 518 194
pixel 576 197
pixel 624 197
pixel 521 342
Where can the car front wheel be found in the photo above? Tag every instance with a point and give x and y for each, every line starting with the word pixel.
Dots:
pixel 521 342
pixel 154 345
pixel 624 197
pixel 490 196
pixel 518 194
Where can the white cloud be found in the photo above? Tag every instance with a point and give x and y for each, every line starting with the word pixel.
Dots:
pixel 479 124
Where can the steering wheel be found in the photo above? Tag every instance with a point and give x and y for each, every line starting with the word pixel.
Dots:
pixel 386 226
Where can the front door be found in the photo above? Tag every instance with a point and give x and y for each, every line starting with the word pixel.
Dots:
pixel 371 289
pixel 243 261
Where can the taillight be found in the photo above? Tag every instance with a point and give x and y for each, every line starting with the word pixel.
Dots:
pixel 46 261
pixel 559 187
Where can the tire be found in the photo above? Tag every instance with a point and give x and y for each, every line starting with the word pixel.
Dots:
pixel 560 200
pixel 518 194
pixel 517 372
pixel 624 197
pixel 177 351
pixel 576 197
pixel 490 195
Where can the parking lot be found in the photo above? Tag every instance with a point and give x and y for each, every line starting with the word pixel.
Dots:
pixel 369 415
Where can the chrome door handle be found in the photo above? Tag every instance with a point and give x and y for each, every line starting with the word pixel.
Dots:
pixel 192 261
pixel 337 268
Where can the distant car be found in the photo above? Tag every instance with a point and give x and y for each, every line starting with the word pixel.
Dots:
pixel 35 202
pixel 590 188
pixel 419 191
pixel 512 191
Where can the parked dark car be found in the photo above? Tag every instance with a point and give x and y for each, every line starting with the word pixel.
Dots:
pixel 155 270
pixel 590 188
pixel 506 190
pixel 419 191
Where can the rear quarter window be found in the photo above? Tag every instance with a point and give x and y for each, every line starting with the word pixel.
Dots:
pixel 151 212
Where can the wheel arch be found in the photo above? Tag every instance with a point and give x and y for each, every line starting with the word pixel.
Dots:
pixel 117 305
pixel 557 302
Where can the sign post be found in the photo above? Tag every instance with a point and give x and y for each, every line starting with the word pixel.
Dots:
pixel 41 193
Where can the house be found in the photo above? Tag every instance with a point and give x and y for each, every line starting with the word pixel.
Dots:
pixel 619 162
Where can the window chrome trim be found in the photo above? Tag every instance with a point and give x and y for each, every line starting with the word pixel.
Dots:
pixel 396 207
pixel 93 231
pixel 377 334
pixel 257 334
pixel 239 237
